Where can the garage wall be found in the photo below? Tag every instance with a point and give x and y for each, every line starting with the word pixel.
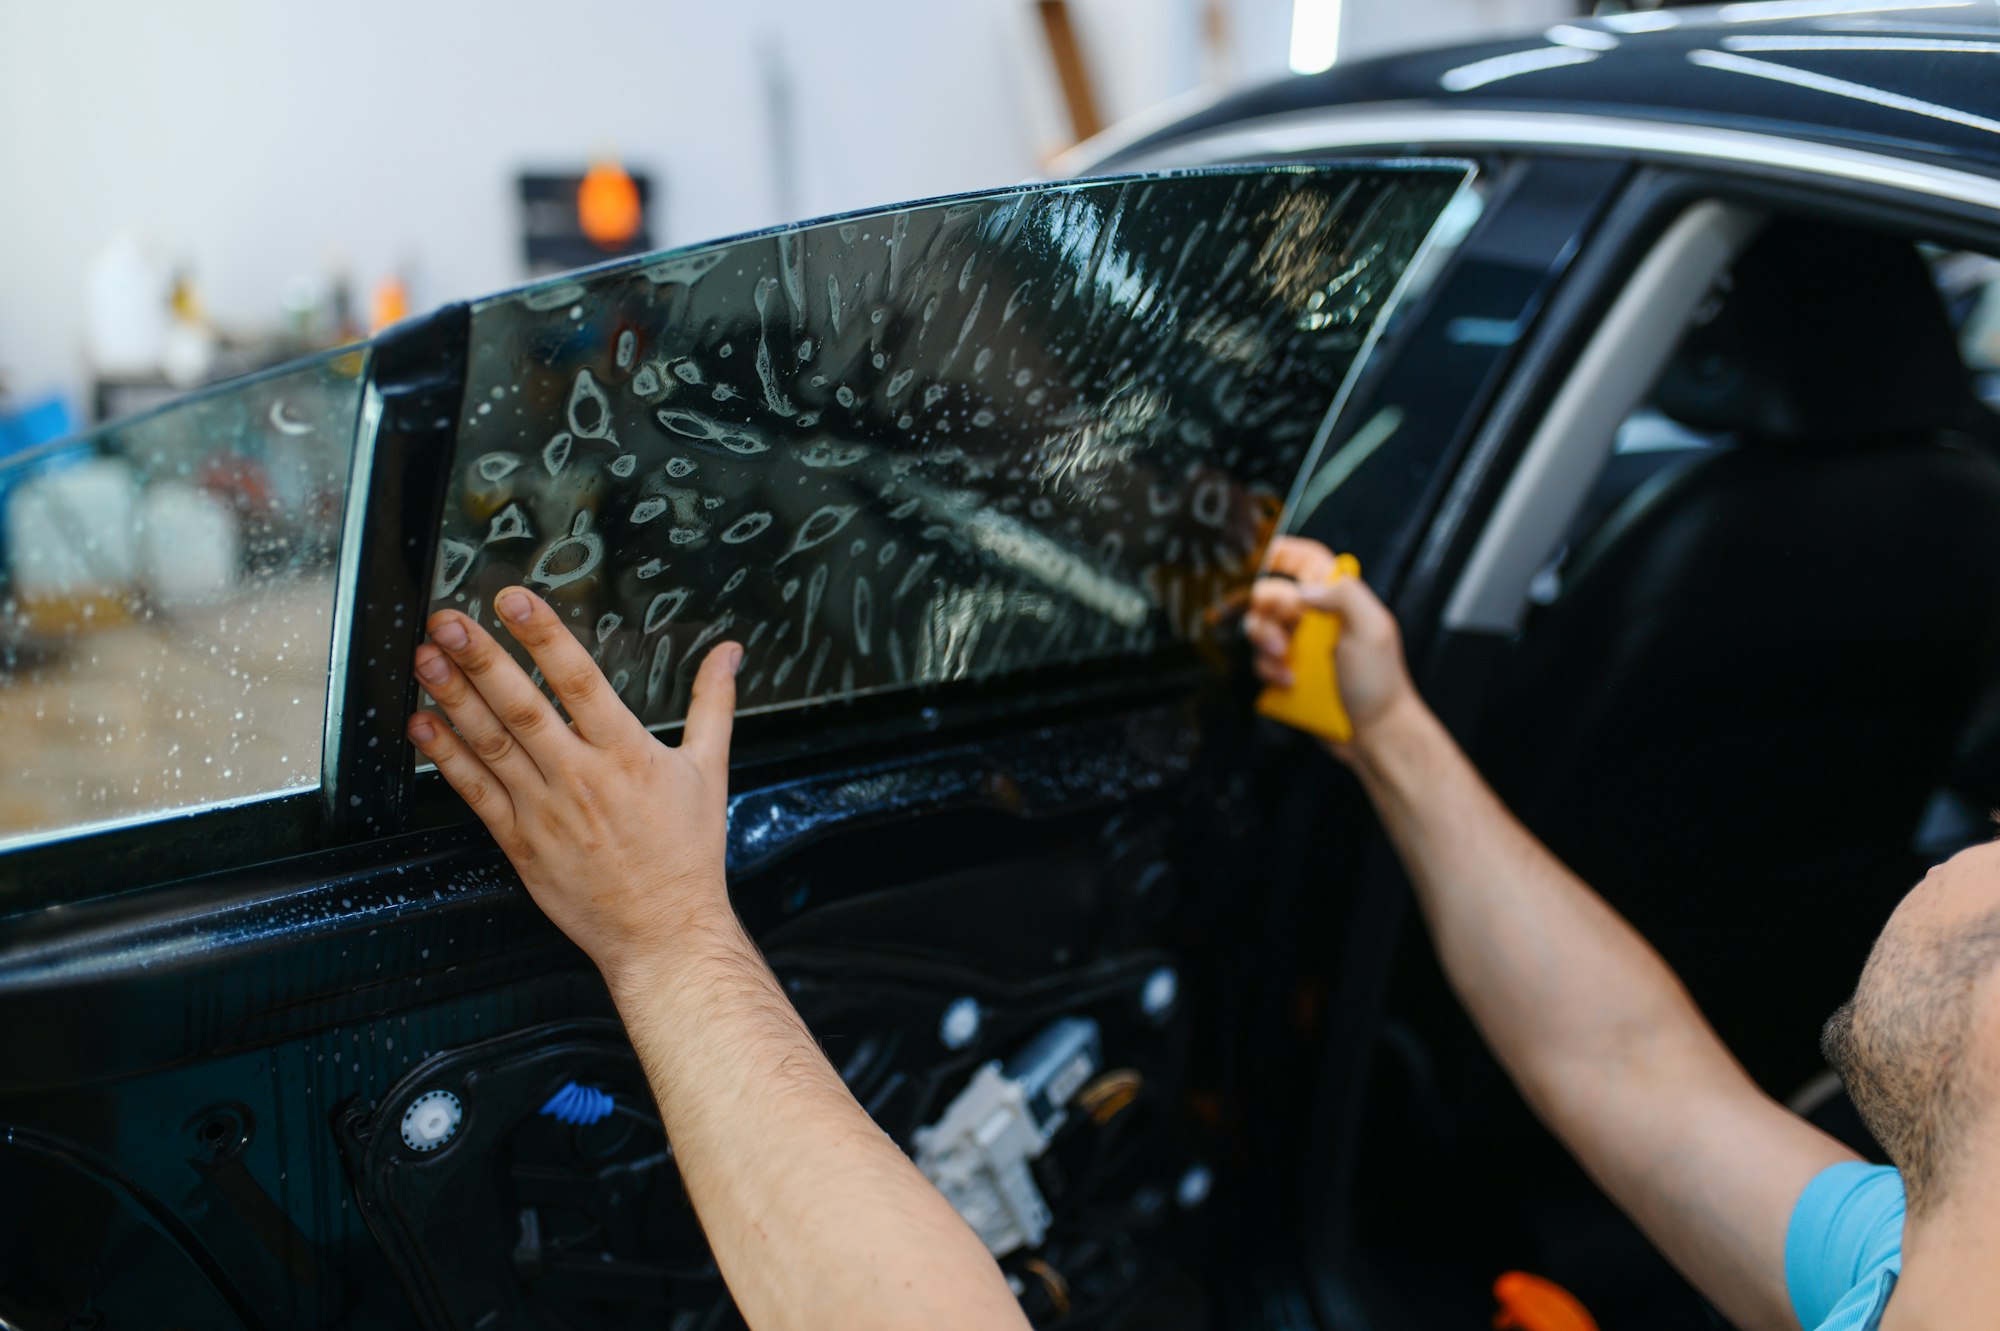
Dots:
pixel 1376 28
pixel 255 142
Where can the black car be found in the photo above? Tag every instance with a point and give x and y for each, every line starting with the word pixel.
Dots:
pixel 1640 362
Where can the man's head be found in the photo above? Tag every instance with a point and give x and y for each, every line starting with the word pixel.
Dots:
pixel 1919 1043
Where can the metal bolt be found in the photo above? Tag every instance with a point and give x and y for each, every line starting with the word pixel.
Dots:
pixel 961 1023
pixel 1163 986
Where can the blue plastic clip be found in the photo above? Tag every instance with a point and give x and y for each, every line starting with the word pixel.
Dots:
pixel 579 1106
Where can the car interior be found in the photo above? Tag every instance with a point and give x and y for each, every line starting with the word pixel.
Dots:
pixel 1721 700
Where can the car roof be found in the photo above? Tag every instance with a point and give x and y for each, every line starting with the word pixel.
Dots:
pixel 1911 78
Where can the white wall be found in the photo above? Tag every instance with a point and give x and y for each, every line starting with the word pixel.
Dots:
pixel 1374 27
pixel 256 140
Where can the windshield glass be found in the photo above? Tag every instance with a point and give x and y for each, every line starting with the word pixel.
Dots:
pixel 963 439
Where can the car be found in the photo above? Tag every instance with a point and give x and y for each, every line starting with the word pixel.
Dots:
pixel 1639 362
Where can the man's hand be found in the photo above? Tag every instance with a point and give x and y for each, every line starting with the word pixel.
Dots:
pixel 1374 683
pixel 618 838
pixel 816 1218
pixel 1596 1031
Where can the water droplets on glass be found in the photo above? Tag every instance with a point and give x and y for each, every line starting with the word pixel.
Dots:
pixel 497 466
pixel 574 556
pixel 664 607
pixel 166 598
pixel 747 527
pixel 589 408
pixel 555 456
pixel 509 524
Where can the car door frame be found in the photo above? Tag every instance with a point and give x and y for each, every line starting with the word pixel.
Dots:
pixel 1676 168
pixel 184 957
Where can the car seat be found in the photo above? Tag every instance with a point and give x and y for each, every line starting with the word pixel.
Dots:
pixel 1754 673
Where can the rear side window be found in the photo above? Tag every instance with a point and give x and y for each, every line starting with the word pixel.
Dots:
pixel 963 440
pixel 166 599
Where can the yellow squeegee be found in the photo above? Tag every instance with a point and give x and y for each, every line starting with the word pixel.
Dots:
pixel 1312 703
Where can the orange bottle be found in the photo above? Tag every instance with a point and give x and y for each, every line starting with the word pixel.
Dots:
pixel 1530 1303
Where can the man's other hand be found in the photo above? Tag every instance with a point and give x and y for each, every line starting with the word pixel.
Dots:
pixel 1374 683
pixel 618 837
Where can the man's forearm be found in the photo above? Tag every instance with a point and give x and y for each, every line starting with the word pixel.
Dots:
pixel 1599 1034
pixel 1568 994
pixel 816 1217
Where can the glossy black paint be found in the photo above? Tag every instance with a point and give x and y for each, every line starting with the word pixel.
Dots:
pixel 1105 763
pixel 1914 82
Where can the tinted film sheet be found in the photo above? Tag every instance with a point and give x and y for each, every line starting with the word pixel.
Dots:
pixel 957 440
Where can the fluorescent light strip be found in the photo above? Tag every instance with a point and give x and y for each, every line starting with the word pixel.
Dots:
pixel 1860 92
pixel 1315 35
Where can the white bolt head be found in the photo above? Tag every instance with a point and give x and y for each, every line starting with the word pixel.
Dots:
pixel 431 1120
pixel 1162 988
pixel 961 1022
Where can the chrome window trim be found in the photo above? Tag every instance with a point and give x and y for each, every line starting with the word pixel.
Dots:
pixel 1403 128
pixel 347 589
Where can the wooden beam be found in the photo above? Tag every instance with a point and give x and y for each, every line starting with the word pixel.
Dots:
pixel 1070 69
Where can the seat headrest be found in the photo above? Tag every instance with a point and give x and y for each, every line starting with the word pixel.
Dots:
pixel 1824 333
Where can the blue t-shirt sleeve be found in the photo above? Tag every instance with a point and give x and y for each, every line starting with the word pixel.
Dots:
pixel 1848 1223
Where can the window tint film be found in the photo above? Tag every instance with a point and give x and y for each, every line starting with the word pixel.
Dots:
pixel 165 603
pixel 952 441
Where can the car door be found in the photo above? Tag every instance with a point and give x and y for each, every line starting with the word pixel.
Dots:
pixel 286 1044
